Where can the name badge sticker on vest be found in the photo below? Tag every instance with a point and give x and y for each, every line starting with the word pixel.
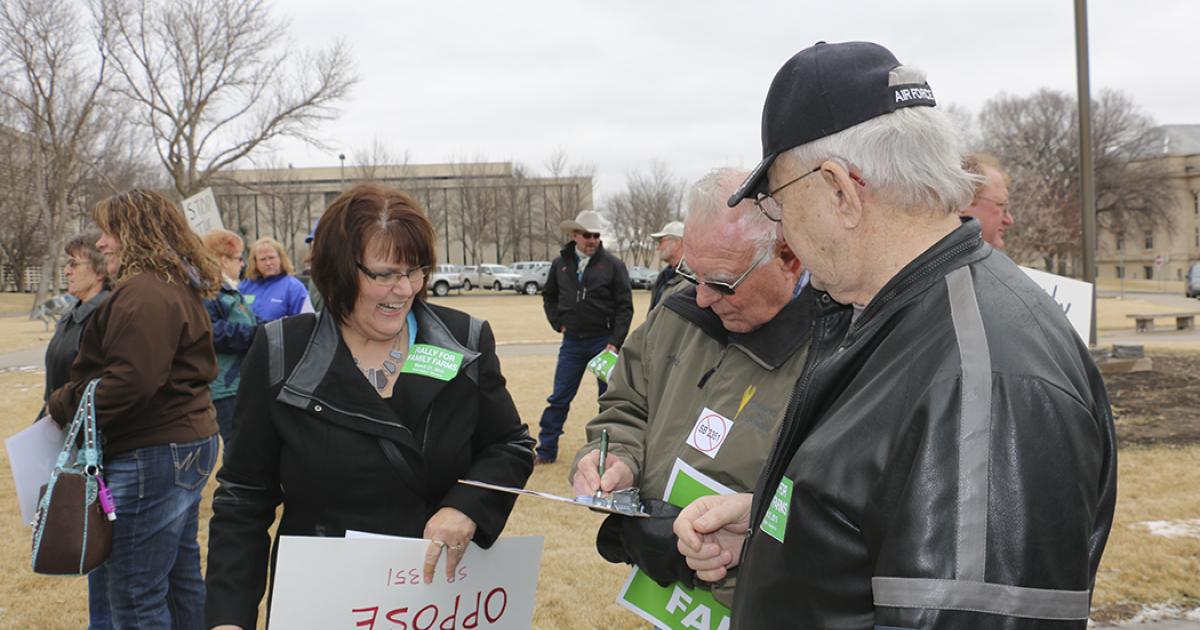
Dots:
pixel 432 361
pixel 710 432
pixel 774 523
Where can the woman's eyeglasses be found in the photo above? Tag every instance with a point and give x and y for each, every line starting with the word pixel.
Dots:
pixel 415 276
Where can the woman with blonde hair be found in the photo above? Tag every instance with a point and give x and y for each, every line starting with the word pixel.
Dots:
pixel 233 326
pixel 151 346
pixel 271 287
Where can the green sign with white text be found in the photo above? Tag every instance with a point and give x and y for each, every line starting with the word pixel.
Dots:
pixel 432 361
pixel 676 606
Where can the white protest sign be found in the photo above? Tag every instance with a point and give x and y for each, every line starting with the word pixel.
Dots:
pixel 376 584
pixel 32 454
pixel 202 212
pixel 1074 296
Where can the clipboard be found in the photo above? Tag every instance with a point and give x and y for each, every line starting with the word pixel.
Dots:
pixel 622 502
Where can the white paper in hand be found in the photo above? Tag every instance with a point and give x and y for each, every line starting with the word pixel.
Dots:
pixel 32 454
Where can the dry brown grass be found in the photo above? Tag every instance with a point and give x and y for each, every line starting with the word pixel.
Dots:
pixel 18 332
pixel 519 318
pixel 14 303
pixel 576 588
pixel 1139 567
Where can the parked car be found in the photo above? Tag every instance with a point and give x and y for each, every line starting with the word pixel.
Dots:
pixel 469 273
pixel 642 278
pixel 531 276
pixel 1192 286
pixel 489 275
pixel 444 278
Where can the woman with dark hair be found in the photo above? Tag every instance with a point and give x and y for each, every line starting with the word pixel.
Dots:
pixel 359 441
pixel 150 344
pixel 87 281
pixel 233 326
pixel 271 286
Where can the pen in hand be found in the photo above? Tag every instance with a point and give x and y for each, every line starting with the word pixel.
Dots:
pixel 603 456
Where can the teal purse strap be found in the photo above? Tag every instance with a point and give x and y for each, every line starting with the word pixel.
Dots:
pixel 85 420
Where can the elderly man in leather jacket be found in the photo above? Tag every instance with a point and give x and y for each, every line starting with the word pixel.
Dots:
pixel 948 459
pixel 704 381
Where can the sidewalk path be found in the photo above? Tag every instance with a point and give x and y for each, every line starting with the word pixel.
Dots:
pixel 28 358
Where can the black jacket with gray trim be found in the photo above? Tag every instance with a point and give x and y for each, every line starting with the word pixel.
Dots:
pixel 950 456
pixel 311 433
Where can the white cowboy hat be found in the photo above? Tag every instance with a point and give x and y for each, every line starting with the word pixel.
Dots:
pixel 586 221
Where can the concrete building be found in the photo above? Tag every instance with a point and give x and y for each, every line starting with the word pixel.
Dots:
pixel 482 212
pixel 1162 254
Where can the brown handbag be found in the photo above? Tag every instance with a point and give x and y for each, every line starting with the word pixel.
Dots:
pixel 73 531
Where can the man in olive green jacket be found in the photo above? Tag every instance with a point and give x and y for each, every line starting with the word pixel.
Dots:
pixel 704 380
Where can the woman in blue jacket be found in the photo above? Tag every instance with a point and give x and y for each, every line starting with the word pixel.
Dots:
pixel 271 287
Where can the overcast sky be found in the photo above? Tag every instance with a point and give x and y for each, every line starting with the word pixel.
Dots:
pixel 619 83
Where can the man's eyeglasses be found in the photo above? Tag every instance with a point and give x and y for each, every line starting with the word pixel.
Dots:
pixel 724 288
pixel 589 235
pixel 415 276
pixel 771 208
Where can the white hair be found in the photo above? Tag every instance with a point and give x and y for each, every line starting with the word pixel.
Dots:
pixel 912 157
pixel 706 202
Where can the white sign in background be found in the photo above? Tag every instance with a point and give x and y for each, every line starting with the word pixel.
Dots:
pixel 1073 296
pixel 202 212
pixel 375 584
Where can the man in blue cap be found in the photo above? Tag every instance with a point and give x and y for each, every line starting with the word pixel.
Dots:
pixel 948 459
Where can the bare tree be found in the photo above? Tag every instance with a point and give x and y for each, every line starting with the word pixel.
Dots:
pixel 214 80
pixel 22 231
pixel 377 161
pixel 57 93
pixel 474 209
pixel 1036 138
pixel 565 199
pixel 648 202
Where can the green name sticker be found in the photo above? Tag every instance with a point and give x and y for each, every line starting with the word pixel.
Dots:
pixel 774 523
pixel 432 361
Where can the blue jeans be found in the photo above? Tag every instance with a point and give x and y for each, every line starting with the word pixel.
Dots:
pixel 225 407
pixel 573 357
pixel 153 575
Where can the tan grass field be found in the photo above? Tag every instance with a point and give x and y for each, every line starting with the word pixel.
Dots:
pixel 519 318
pixel 576 587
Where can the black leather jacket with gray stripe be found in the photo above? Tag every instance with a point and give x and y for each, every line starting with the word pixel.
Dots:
pixel 951 457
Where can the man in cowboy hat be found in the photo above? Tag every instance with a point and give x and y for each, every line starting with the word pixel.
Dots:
pixel 669 242
pixel 588 299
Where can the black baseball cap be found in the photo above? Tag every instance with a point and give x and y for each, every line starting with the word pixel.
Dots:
pixel 825 89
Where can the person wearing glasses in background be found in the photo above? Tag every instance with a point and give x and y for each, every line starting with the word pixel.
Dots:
pixel 334 408
pixel 587 298
pixel 720 354
pixel 88 282
pixel 990 205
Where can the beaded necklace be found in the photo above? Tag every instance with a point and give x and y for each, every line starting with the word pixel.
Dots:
pixel 378 376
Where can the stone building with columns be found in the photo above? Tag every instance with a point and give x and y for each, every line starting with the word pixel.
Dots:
pixel 1164 253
